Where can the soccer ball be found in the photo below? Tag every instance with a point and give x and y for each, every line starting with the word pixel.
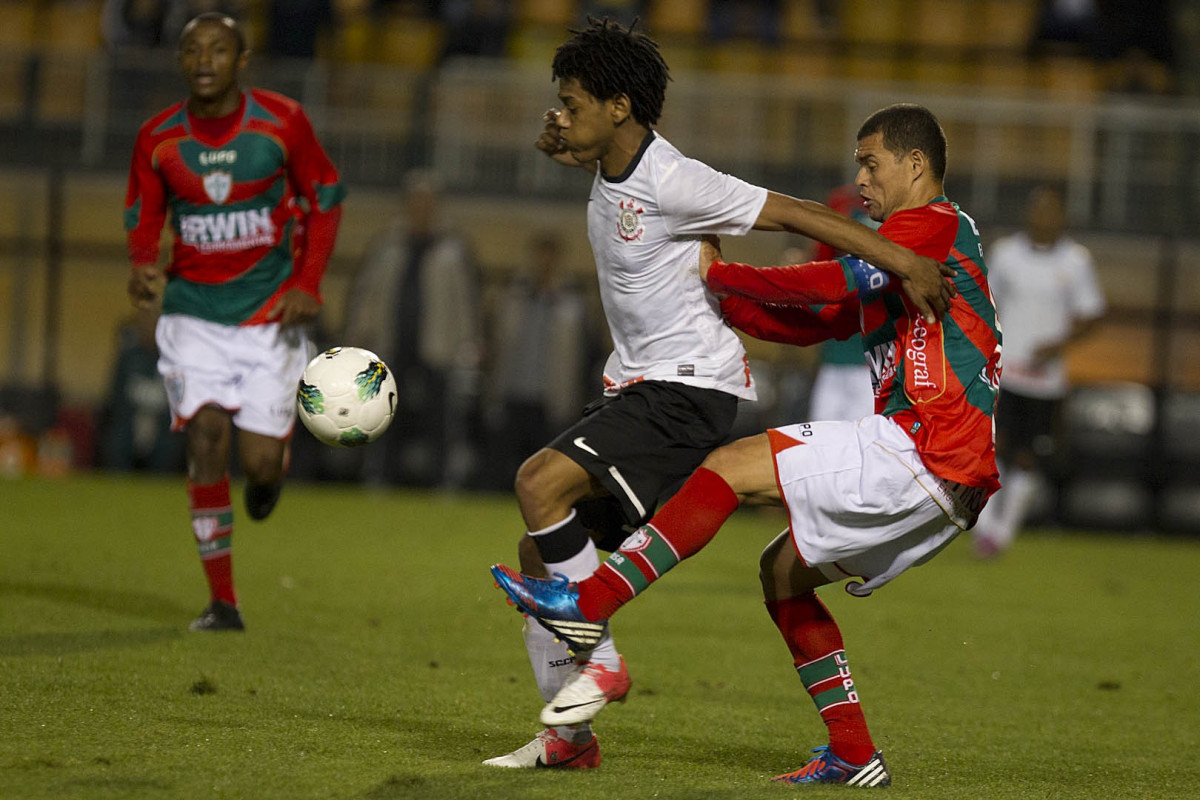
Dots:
pixel 346 397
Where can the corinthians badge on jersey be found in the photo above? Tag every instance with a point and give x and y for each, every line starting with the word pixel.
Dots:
pixel 629 221
pixel 217 186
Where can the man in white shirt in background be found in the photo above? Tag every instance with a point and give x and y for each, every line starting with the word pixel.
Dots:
pixel 1047 298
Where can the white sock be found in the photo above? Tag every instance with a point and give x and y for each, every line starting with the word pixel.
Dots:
pixel 551 664
pixel 1019 485
pixel 579 566
pixel 550 660
pixel 992 516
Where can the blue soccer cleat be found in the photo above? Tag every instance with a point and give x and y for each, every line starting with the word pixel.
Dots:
pixel 825 767
pixel 554 604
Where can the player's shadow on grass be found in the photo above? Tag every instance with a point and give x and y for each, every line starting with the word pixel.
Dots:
pixel 128 604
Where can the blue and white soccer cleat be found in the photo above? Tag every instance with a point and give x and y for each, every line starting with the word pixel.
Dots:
pixel 554 604
pixel 825 767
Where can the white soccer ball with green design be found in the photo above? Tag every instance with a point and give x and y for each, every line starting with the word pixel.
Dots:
pixel 346 397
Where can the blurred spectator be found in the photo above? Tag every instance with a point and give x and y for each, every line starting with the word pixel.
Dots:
pixel 1066 25
pixel 429 9
pixel 542 343
pixel 415 301
pixel 135 422
pixel 624 11
pixel 180 12
pixel 133 23
pixel 744 19
pixel 1137 42
pixel 294 26
pixel 1047 297
pixel 476 27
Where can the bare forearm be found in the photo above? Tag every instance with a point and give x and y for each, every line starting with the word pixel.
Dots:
pixel 816 221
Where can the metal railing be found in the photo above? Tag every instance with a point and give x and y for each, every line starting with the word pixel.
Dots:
pixel 1127 165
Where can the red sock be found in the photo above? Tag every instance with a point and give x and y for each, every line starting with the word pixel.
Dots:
pixel 212 525
pixel 815 642
pixel 686 523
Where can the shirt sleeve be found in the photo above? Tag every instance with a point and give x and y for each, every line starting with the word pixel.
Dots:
pixel 316 180
pixel 145 205
pixel 695 199
pixel 817 282
pixel 795 325
pixel 1087 298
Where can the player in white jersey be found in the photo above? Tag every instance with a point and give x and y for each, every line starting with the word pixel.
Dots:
pixel 677 371
pixel 1048 297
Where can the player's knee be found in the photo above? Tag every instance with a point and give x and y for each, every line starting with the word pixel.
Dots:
pixel 262 469
pixel 535 482
pixel 771 566
pixel 208 436
pixel 766 570
pixel 720 460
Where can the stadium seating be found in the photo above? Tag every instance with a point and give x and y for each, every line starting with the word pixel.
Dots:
pixel 667 17
pixel 73 25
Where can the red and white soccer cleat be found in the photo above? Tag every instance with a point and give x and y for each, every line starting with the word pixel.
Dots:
pixel 548 750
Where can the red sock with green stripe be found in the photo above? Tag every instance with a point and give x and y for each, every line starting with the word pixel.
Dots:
pixel 815 641
pixel 212 525
pixel 686 523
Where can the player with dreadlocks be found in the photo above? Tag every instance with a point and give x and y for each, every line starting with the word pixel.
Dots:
pixel 677 371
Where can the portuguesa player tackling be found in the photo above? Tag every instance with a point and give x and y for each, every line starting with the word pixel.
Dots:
pixel 866 499
pixel 254 208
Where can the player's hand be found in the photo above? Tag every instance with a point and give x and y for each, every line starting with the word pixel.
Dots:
pixel 924 281
pixel 145 286
pixel 710 251
pixel 552 143
pixel 294 307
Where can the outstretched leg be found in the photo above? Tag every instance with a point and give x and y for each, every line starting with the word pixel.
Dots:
pixel 684 525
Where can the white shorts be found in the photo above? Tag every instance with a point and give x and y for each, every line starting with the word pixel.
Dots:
pixel 251 371
pixel 860 502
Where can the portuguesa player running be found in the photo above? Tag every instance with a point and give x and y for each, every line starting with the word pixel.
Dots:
pixel 254 208
pixel 677 371
pixel 866 499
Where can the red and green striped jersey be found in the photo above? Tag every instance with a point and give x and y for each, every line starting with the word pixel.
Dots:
pixel 253 202
pixel 938 382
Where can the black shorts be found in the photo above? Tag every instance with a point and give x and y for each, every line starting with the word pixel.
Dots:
pixel 641 445
pixel 1026 423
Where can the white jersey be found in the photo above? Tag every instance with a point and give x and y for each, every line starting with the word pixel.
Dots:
pixel 1040 292
pixel 645 228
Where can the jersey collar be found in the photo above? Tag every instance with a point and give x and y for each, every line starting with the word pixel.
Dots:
pixel 633 162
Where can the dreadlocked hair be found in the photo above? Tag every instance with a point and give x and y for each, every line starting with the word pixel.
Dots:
pixel 609 59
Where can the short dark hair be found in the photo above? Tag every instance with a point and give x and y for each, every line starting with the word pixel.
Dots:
pixel 906 127
pixel 221 19
pixel 609 59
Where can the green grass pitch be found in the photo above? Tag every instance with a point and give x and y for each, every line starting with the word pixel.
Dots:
pixel 380 662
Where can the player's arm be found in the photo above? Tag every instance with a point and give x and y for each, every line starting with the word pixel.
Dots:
pixel 755 302
pixel 841 280
pixel 316 180
pixel 551 143
pixel 922 279
pixel 145 214
pixel 797 325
